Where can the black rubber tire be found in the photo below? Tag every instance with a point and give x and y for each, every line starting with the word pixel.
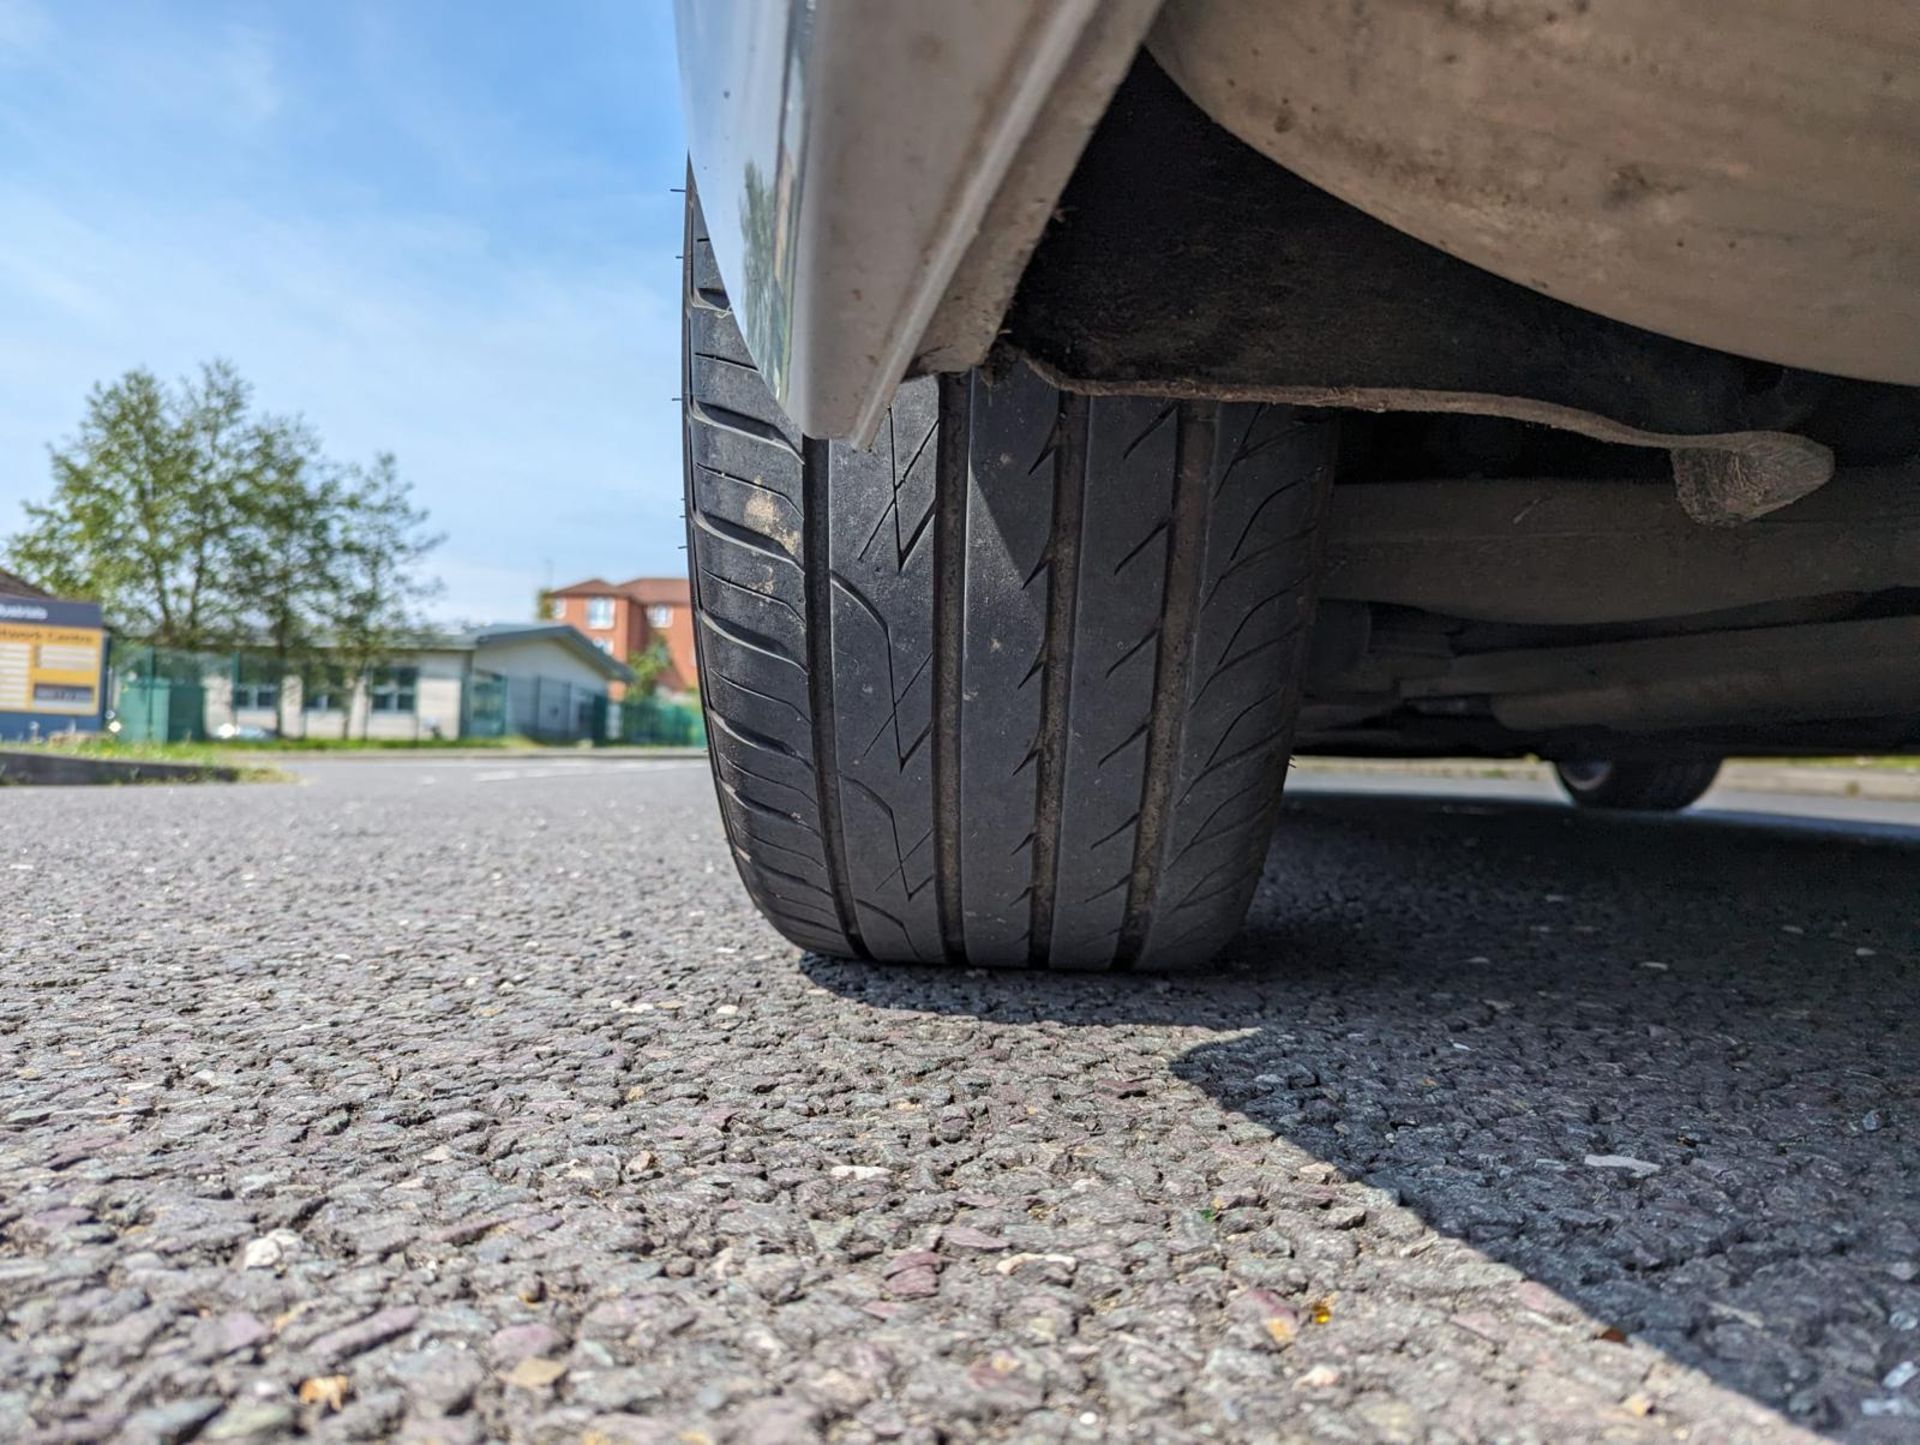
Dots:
pixel 1016 686
pixel 1640 785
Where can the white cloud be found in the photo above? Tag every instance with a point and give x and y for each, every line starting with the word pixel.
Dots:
pixel 498 306
pixel 514 397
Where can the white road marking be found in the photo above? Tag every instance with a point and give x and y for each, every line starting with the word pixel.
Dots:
pixel 548 770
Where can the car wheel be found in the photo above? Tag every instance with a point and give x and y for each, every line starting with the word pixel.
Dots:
pixel 1646 786
pixel 1016 685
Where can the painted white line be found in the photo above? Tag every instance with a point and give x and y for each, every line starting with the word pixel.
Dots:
pixel 578 770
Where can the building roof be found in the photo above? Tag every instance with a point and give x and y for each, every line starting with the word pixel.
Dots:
pixel 672 591
pixel 12 586
pixel 477 639
pixel 562 632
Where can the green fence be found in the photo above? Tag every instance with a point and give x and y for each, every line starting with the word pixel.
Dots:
pixel 160 710
pixel 652 721
pixel 487 706
pixel 163 695
pixel 159 694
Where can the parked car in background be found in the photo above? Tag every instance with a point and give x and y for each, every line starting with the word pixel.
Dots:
pixel 1090 404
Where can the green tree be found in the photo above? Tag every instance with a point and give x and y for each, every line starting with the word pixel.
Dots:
pixel 145 499
pixel 376 594
pixel 647 665
pixel 199 523
pixel 286 545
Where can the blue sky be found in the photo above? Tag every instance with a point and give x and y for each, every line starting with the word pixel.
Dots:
pixel 438 228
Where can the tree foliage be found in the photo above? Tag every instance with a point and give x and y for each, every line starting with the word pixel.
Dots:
pixel 647 665
pixel 375 593
pixel 198 522
pixel 285 545
pixel 145 500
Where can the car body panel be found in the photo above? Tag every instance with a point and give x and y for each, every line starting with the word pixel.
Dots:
pixel 740 66
pixel 846 153
pixel 1745 177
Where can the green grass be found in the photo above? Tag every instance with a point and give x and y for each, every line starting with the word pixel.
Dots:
pixel 359 745
pixel 216 749
pixel 202 755
pixel 233 753
pixel 224 753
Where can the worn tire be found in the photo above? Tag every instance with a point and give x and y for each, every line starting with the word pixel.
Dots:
pixel 1638 785
pixel 1017 685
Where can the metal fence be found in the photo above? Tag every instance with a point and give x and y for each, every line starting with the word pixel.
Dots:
pixel 162 695
pixel 553 710
pixel 159 694
pixel 656 722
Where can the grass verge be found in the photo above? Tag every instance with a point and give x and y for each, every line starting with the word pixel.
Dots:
pixel 200 755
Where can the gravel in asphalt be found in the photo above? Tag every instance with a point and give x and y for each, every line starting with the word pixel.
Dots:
pixel 464 1101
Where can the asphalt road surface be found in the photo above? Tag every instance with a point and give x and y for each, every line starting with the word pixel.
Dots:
pixel 469 1100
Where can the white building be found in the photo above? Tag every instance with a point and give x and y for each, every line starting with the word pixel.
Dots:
pixel 540 679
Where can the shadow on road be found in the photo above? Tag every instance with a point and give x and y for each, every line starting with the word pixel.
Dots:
pixel 1467 1002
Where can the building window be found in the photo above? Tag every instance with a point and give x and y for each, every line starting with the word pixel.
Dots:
pixel 557 608
pixel 659 615
pixel 396 689
pixel 599 612
pixel 256 685
pixel 605 644
pixel 325 690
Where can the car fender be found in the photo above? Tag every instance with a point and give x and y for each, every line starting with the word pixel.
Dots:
pixel 871 169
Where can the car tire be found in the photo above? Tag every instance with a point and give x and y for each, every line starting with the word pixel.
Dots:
pixel 1016 685
pixel 1638 785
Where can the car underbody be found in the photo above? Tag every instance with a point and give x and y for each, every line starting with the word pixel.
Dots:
pixel 1511 562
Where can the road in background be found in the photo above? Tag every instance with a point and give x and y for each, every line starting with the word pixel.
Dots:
pixel 1833 812
pixel 462 1099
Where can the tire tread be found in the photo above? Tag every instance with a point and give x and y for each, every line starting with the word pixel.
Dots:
pixel 1118 589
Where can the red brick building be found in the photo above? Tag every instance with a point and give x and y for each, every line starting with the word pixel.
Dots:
pixel 624 618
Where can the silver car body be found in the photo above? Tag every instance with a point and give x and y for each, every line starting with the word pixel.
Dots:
pixel 875 172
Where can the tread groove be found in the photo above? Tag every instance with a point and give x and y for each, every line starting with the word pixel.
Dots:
pixel 753 739
pixel 815 542
pixel 1140 546
pixel 751 640
pixel 1120 747
pixel 1069 450
pixel 727 419
pixel 1128 656
pixel 1200 838
pixel 1266 502
pixel 763 810
pixel 1101 843
pixel 1159 420
pixel 731 531
pixel 747 772
pixel 893 720
pixel 754 593
pixel 1227 664
pixel 1198 431
pixel 757 485
pixel 739 686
